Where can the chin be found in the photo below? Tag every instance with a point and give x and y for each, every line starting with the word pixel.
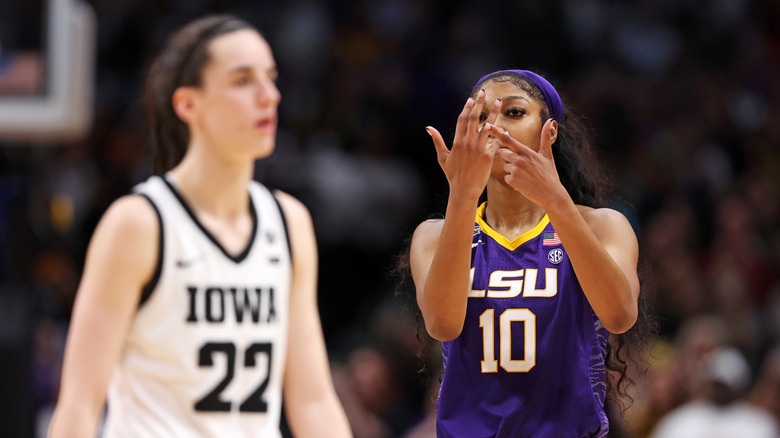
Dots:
pixel 263 149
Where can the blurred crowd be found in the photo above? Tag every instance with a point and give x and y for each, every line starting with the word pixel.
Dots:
pixel 684 103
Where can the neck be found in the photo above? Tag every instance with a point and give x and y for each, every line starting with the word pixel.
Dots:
pixel 214 185
pixel 509 212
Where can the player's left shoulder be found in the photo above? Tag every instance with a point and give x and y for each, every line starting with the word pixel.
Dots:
pixel 295 212
pixel 605 220
pixel 291 205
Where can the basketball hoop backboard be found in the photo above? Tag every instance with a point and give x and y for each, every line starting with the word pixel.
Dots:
pixel 46 92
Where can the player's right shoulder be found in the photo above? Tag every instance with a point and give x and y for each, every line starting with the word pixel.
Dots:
pixel 125 246
pixel 130 222
pixel 427 233
pixel 429 228
pixel 133 213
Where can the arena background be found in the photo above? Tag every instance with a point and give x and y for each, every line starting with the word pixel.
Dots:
pixel 683 98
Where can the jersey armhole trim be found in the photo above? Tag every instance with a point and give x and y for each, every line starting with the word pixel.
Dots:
pixel 284 224
pixel 147 290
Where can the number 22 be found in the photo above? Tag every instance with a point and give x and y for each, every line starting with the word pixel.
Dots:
pixel 255 402
pixel 487 322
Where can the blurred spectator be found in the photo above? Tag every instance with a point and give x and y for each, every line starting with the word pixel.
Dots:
pixel 673 377
pixel 367 390
pixel 47 367
pixel 722 412
pixel 379 381
pixel 766 391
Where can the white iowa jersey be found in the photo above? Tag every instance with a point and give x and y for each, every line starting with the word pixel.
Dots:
pixel 205 354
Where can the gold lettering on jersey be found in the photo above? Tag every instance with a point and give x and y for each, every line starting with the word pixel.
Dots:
pixel 510 284
pixel 214 304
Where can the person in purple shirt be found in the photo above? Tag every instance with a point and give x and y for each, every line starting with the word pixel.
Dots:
pixel 524 289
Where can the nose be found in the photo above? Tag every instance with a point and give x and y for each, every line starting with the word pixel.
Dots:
pixel 498 123
pixel 268 94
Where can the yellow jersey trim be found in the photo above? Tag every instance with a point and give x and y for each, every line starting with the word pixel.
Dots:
pixel 503 241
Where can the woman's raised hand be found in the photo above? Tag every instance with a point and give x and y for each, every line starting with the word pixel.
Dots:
pixel 530 172
pixel 467 165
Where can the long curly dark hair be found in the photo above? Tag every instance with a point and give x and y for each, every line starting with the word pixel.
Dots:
pixel 588 183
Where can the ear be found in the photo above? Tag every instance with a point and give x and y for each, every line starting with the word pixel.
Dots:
pixel 548 135
pixel 183 102
pixel 553 132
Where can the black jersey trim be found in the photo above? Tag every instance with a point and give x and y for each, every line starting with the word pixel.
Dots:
pixel 148 288
pixel 284 224
pixel 237 258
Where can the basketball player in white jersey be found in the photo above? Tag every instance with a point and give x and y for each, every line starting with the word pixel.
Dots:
pixel 197 307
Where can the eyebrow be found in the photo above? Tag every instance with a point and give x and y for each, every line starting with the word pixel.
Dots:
pixel 516 98
pixel 240 69
pixel 271 71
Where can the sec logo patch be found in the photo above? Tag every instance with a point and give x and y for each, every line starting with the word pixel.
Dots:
pixel 555 256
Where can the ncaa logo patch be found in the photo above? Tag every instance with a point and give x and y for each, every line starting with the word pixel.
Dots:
pixel 555 256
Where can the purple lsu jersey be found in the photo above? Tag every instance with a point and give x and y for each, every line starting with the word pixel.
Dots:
pixel 529 362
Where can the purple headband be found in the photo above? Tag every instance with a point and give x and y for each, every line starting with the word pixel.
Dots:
pixel 554 104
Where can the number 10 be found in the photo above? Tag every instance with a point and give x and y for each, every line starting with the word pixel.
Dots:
pixel 487 322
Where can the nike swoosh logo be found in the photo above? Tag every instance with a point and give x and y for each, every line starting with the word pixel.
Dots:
pixel 186 263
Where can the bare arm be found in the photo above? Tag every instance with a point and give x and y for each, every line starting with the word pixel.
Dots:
pixel 600 243
pixel 604 252
pixel 440 254
pixel 121 258
pixel 313 409
pixel 440 258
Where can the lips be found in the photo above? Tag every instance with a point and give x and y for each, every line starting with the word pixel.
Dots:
pixel 267 124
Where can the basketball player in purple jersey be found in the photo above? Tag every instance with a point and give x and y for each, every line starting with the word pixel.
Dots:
pixel 524 289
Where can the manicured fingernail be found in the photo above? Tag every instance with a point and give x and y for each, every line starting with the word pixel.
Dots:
pixel 428 130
